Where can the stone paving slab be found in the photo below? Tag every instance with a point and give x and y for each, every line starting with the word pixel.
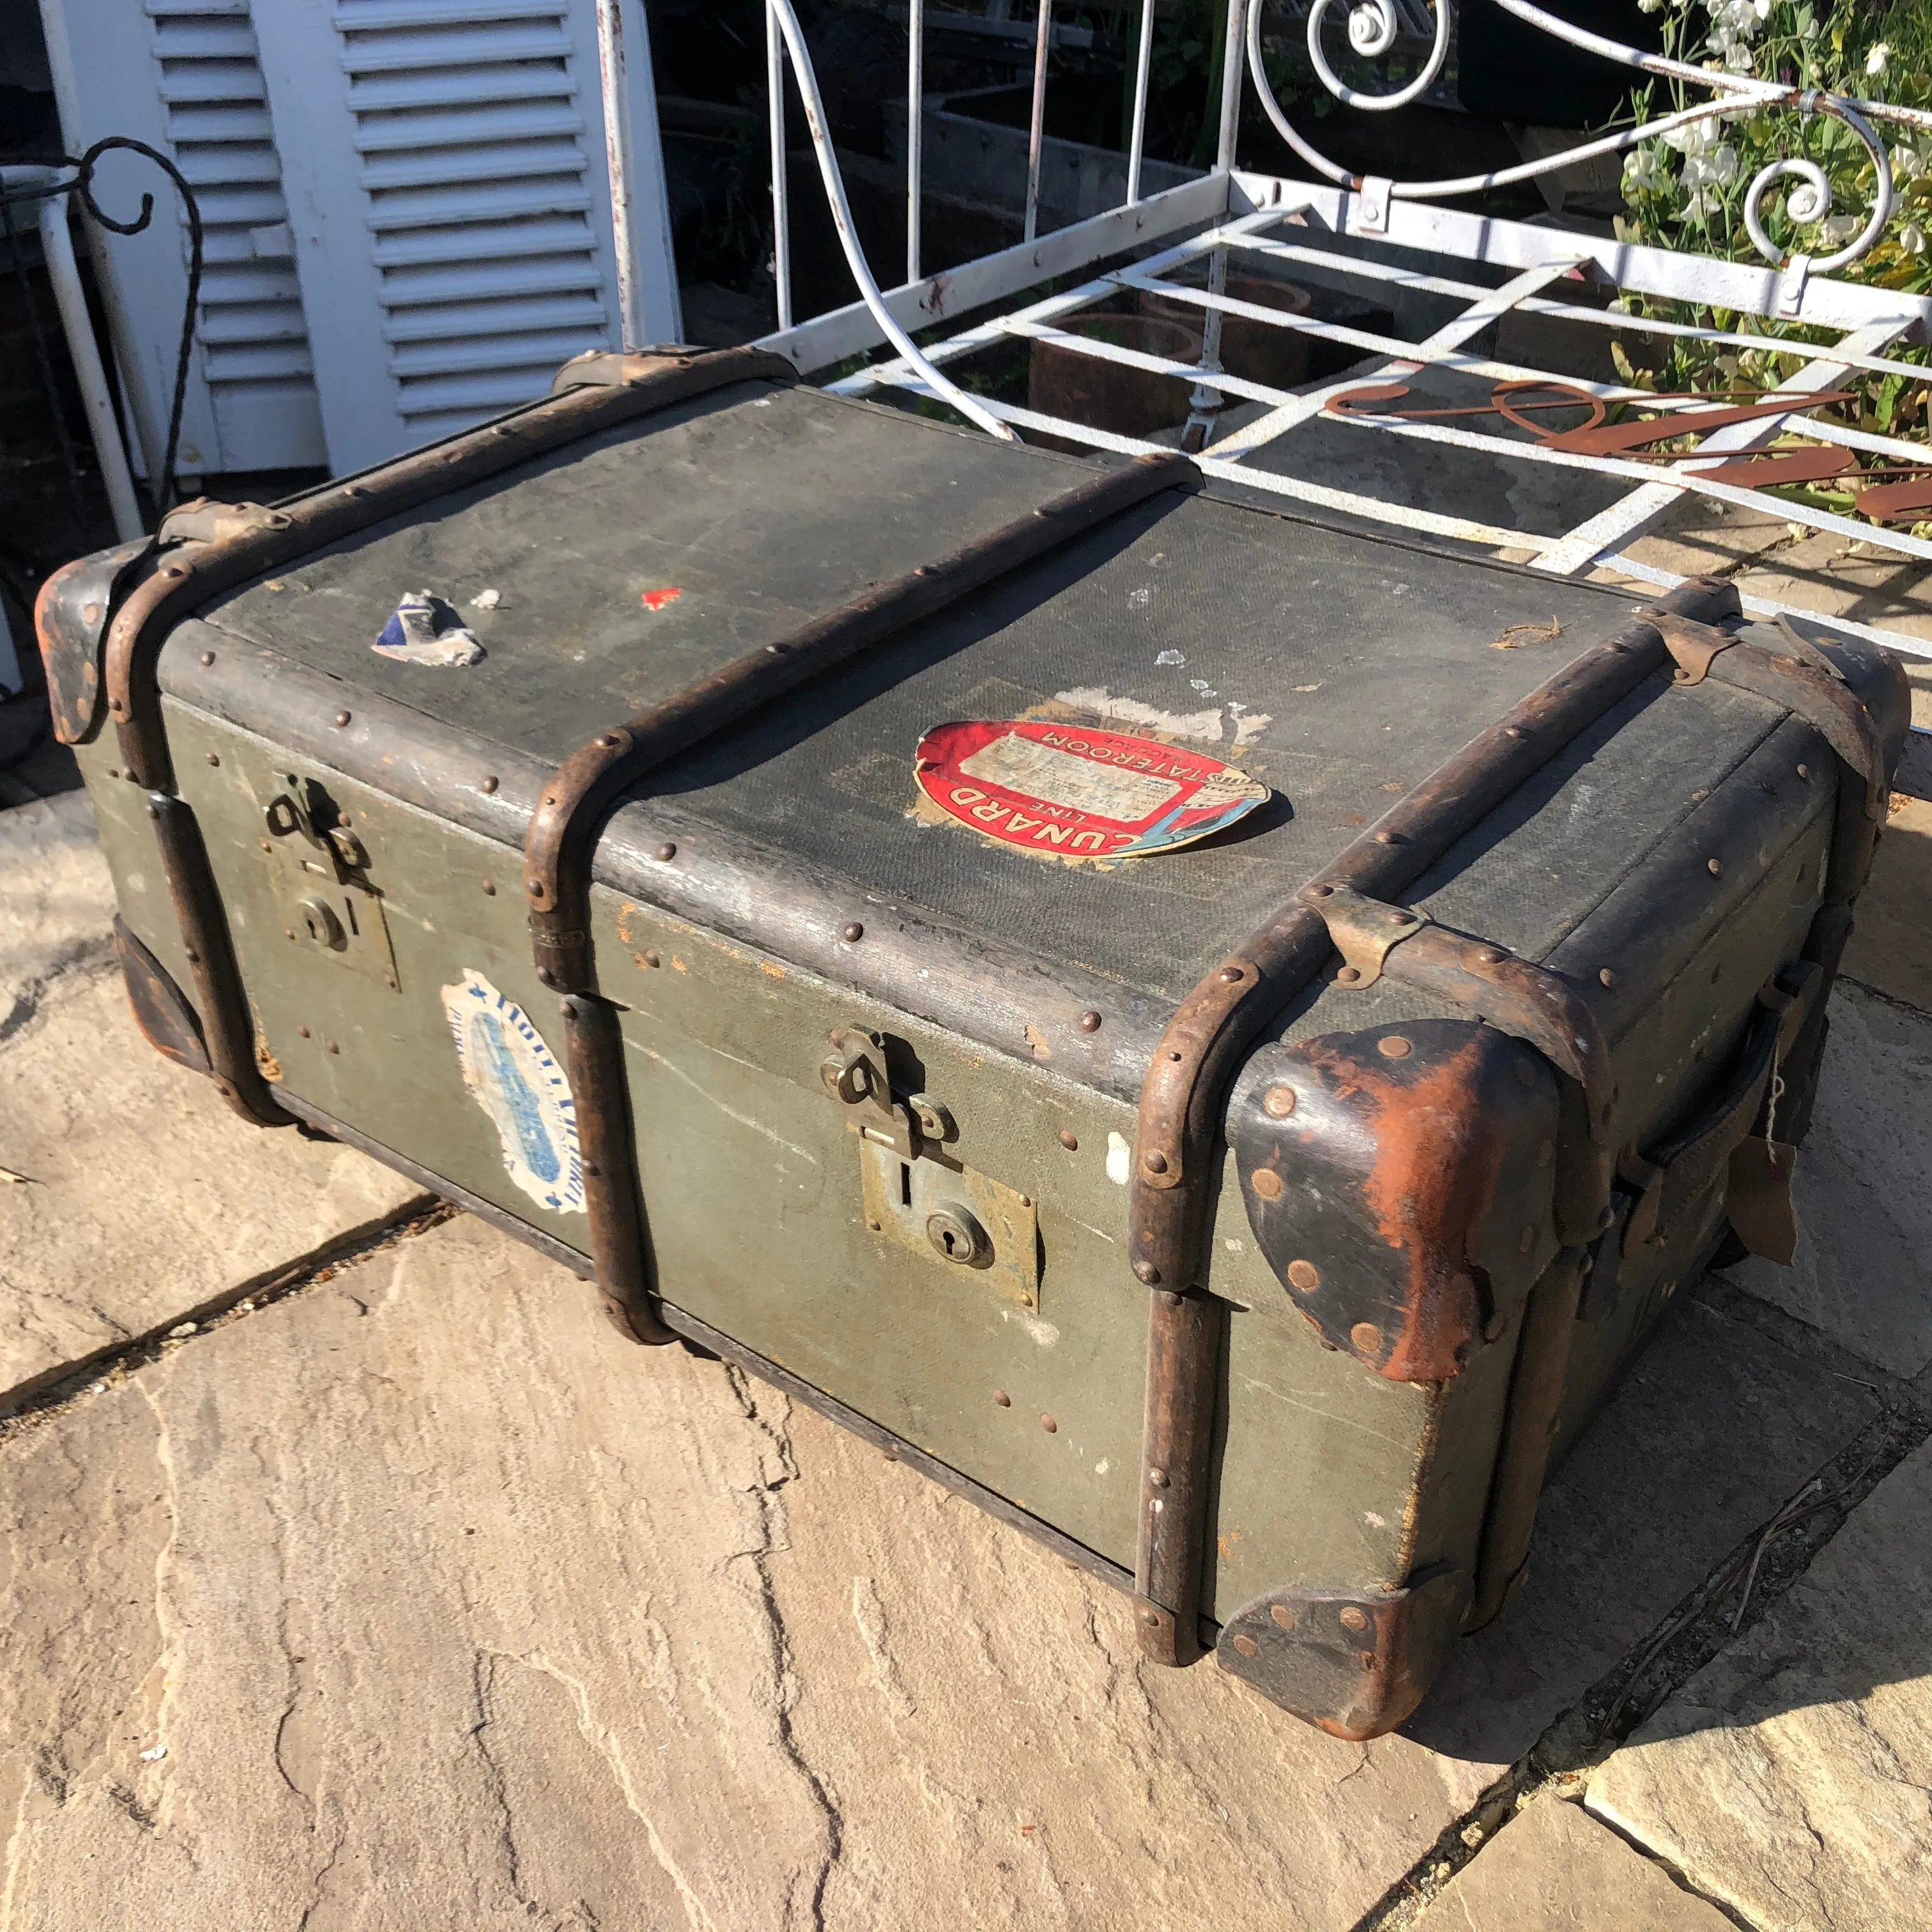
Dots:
pixel 1726 1412
pixel 420 1600
pixel 1863 1190
pixel 1791 1777
pixel 1890 948
pixel 145 1202
pixel 1553 1868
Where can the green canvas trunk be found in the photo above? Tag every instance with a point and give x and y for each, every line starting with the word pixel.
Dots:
pixel 1252 1218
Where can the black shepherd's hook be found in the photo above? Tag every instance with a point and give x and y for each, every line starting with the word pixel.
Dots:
pixel 83 185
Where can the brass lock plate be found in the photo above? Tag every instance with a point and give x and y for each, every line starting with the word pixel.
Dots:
pixel 322 892
pixel 963 1222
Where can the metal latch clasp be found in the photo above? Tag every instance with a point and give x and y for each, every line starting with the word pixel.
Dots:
pixel 1365 931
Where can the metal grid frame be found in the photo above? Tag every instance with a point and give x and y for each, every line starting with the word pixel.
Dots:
pixel 1230 214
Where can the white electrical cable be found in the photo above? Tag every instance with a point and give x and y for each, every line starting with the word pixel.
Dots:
pixel 974 412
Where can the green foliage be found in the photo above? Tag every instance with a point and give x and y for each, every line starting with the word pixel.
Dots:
pixel 1687 190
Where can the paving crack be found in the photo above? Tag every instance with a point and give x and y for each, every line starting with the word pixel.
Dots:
pixel 769 1506
pixel 1703 1623
pixel 32 1405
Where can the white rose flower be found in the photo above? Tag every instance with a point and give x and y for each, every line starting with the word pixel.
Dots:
pixel 1837 229
pixel 1875 61
pixel 1905 164
pixel 1912 238
pixel 1722 167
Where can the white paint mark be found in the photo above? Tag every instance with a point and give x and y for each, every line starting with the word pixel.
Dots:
pixel 1201 685
pixel 1119 1160
pixel 155 1755
pixel 1172 658
pixel 1100 1467
pixel 1138 600
pixel 1307 687
pixel 486 600
pixel 1374 1521
pixel 1236 1247
pixel 1249 728
pixel 1044 1332
pixel 1205 725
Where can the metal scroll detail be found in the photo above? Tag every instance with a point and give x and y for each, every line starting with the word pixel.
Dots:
pixel 1372 31
pixel 1175 1173
pixel 561 846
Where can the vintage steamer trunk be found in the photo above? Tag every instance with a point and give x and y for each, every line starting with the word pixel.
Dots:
pixel 1252 1221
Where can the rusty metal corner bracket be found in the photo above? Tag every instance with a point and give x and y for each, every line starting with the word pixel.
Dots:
pixel 1184 1096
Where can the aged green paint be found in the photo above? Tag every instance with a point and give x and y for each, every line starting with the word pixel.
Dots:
pixel 753 1187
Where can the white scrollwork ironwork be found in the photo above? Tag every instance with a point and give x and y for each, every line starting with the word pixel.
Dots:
pixel 1373 29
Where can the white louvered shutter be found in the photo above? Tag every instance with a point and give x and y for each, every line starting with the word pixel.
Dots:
pixel 443 161
pixel 184 76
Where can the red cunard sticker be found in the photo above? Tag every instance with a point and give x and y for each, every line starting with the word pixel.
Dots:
pixel 1067 791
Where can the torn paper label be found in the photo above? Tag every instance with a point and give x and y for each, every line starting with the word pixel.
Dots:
pixel 424 629
pixel 512 1075
pixel 1076 792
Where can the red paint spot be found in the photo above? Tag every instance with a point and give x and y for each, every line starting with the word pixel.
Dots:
pixel 655 600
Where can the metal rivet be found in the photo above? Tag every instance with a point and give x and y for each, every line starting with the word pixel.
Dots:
pixel 1282 1615
pixel 1488 956
pixel 610 741
pixel 174 570
pixel 154 810
pixel 1245 1644
pixel 303 1031
pixel 391 978
pixel 1805 771
pixel 1526 1241
pixel 652 957
pixel 1607 1215
pixel 1305 1275
pixel 1267 1183
pixel 1609 978
pixel 1157 1479
pixel 853 933
pixel 666 852
pixel 1278 1103
pixel 1151 1619
pixel 192 957
pixel 1321 892
pixel 1090 1022
pixel 590 1168
pixel 874 1226
pixel 1356 1619
pixel 1525 1073
pixel 1154 1161
pixel 1392 1046
pixel 1391 838
pixel 1514 731
pixel 1047 1423
pixel 489 784
pixel 1000 1396
pixel 1229 974
pixel 207 658
pixel 1146 1272
pixel 489 888
pixel 213 758
pixel 546 977
pixel 332 1047
pixel 1545 1152
pixel 1169 1299
pixel 1349 975
pixel 1070 1140
pixel 288 932
pixel 341 718
pixel 1367 1336
pixel 1401 919
pixel 1715 867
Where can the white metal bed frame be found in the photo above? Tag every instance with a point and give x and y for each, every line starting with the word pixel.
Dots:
pixel 1234 214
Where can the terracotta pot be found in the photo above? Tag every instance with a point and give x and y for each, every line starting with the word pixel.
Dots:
pixel 1109 395
pixel 1258 350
